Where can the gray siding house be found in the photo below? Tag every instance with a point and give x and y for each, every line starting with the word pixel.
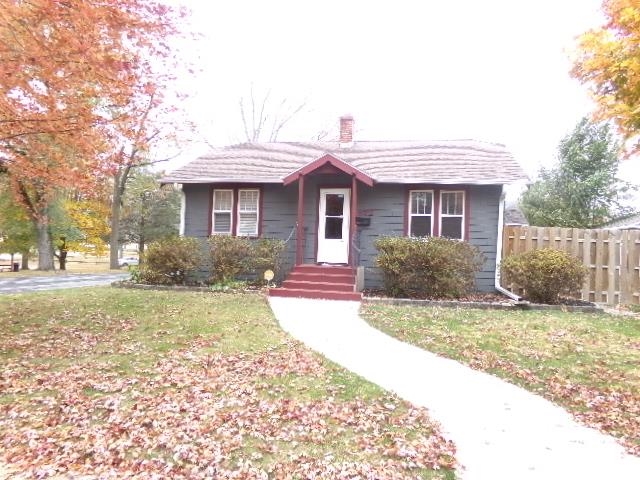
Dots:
pixel 331 200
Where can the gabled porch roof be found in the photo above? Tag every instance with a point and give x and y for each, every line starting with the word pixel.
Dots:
pixel 328 160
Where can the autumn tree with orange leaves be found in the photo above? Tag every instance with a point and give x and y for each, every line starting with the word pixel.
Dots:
pixel 608 62
pixel 71 73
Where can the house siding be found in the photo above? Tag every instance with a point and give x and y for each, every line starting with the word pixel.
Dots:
pixel 483 231
pixel 197 208
pixel 279 216
pixel 383 203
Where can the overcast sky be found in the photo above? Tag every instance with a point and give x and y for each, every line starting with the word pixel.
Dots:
pixel 494 70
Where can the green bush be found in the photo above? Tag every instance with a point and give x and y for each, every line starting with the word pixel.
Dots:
pixel 168 261
pixel 232 257
pixel 427 267
pixel 266 254
pixel 545 274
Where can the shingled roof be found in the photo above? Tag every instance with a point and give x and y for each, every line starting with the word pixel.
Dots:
pixel 440 162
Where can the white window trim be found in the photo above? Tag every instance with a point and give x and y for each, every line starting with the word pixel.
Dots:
pixel 237 223
pixel 214 211
pixel 462 217
pixel 411 215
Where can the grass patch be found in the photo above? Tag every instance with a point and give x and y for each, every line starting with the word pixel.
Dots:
pixel 106 382
pixel 586 362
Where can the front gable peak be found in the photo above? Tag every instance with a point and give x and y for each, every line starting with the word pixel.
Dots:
pixel 328 160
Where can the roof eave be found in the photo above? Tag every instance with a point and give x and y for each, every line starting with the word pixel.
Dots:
pixel 219 180
pixel 453 181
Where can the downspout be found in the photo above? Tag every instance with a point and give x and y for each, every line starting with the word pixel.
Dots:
pixel 499 287
pixel 183 209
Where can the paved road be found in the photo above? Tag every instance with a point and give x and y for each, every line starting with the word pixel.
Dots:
pixel 57 281
pixel 501 432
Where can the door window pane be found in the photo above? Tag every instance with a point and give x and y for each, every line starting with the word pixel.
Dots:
pixel 333 228
pixel 334 204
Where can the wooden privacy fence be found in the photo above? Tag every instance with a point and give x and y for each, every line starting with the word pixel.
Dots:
pixel 612 256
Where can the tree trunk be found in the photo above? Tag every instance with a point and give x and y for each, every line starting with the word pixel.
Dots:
pixel 45 246
pixel 25 260
pixel 62 256
pixel 62 259
pixel 140 246
pixel 114 238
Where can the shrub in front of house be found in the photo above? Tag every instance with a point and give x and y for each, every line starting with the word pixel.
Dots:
pixel 233 257
pixel 545 274
pixel 230 257
pixel 266 254
pixel 169 261
pixel 428 267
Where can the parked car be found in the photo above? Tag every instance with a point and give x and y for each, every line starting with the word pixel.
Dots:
pixel 127 261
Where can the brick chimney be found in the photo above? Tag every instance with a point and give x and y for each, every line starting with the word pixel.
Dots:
pixel 346 131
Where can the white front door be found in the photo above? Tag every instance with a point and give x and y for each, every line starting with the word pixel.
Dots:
pixel 333 227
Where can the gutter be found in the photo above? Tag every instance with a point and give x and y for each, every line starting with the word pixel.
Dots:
pixel 499 287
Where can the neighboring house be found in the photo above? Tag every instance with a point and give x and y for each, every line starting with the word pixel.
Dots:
pixel 332 200
pixel 513 215
pixel 632 222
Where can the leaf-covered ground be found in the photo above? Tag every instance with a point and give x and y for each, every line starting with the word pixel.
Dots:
pixel 137 384
pixel 590 364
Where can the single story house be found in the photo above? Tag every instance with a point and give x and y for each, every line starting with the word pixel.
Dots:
pixel 332 200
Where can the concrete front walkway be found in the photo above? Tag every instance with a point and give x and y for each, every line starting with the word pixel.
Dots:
pixel 501 431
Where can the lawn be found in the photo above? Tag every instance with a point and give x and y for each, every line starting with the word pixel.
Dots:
pixel 116 383
pixel 588 363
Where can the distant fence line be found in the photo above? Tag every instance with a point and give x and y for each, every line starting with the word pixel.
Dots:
pixel 612 256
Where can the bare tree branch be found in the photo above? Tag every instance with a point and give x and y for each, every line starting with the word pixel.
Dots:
pixel 262 114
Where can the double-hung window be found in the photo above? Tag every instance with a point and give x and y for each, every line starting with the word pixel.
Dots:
pixel 437 212
pixel 420 213
pixel 452 214
pixel 222 212
pixel 248 201
pixel 236 211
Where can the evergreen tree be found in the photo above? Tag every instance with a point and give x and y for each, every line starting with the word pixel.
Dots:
pixel 583 190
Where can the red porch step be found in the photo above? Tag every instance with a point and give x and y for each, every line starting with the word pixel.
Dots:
pixel 320 294
pixel 322 277
pixel 318 285
pixel 327 269
pixel 319 281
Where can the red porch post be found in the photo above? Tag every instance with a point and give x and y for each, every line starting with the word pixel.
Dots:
pixel 354 212
pixel 300 229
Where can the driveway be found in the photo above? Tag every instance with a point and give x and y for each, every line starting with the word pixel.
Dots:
pixel 501 431
pixel 57 281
